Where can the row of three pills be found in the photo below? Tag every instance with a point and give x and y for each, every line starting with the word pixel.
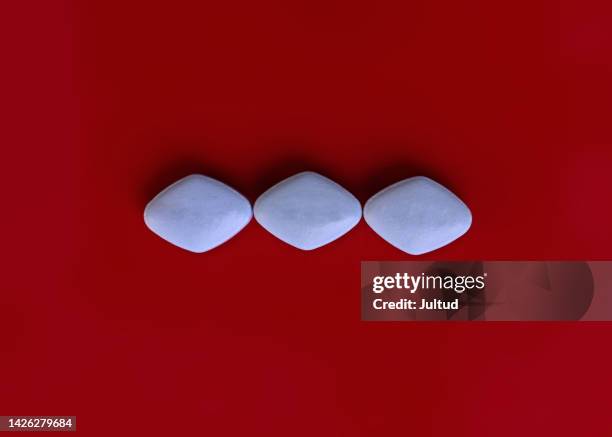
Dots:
pixel 307 210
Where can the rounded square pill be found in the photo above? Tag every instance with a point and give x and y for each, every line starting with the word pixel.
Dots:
pixel 197 213
pixel 307 210
pixel 417 215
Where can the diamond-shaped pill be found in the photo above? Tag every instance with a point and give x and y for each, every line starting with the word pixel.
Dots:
pixel 307 210
pixel 197 213
pixel 417 215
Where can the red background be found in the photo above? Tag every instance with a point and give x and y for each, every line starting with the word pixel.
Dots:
pixel 105 103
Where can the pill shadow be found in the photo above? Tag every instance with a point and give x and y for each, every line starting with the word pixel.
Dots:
pixel 387 174
pixel 175 170
pixel 369 181
pixel 282 169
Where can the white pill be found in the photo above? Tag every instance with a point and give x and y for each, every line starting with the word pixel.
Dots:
pixel 197 213
pixel 307 210
pixel 417 215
